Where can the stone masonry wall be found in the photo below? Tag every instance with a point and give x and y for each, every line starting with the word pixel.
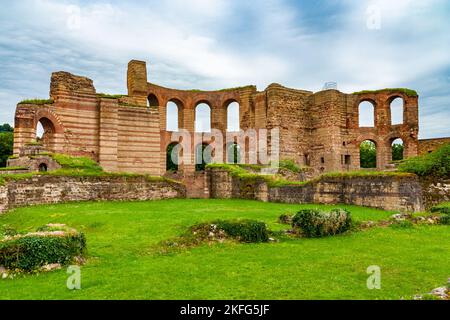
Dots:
pixel 384 192
pixel 435 191
pixel 430 145
pixel 56 189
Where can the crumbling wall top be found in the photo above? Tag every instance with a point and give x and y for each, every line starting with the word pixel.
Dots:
pixel 65 82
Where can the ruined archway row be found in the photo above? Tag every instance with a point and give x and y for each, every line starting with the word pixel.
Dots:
pixel 385 149
pixel 386 108
pixel 185 104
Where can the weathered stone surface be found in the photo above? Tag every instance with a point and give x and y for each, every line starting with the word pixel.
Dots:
pixel 385 192
pixel 56 189
pixel 67 82
pixel 430 145
pixel 435 191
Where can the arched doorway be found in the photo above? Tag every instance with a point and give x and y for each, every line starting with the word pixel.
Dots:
pixel 173 155
pixel 152 101
pixel 45 131
pixel 368 154
pixel 203 156
pixel 233 153
pixel 43 167
pixel 397 148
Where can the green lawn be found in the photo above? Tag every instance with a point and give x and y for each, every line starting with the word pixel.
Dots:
pixel 122 263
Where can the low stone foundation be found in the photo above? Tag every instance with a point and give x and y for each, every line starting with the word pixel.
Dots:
pixel 46 189
pixel 435 191
pixel 384 192
pixel 396 193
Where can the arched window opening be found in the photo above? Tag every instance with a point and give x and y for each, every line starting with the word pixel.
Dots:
pixel 397 149
pixel 203 156
pixel 152 101
pixel 39 131
pixel 202 118
pixel 233 124
pixel 44 131
pixel 366 111
pixel 368 154
pixel 397 106
pixel 173 154
pixel 233 153
pixel 172 116
pixel 42 167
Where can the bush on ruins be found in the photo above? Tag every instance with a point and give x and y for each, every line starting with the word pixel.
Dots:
pixel 435 164
pixel 314 223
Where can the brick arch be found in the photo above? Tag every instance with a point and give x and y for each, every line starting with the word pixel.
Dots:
pixel 157 96
pixel 409 144
pixel 50 116
pixel 204 100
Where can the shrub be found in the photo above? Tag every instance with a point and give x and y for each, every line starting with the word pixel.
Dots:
pixel 30 251
pixel 289 165
pixel 245 230
pixel 442 209
pixel 285 219
pixel 435 164
pixel 314 223
pixel 445 219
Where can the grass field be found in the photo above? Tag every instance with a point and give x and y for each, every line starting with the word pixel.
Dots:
pixel 122 263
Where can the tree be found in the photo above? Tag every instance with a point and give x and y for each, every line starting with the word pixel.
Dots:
pixel 6 147
pixel 397 152
pixel 368 154
pixel 6 128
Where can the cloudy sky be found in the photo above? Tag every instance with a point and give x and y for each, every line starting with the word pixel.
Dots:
pixel 212 44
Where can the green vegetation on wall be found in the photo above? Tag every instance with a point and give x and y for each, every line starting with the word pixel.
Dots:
pixel 36 101
pixel 435 164
pixel 406 91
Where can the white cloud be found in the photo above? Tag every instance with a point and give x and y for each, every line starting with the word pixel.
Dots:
pixel 209 44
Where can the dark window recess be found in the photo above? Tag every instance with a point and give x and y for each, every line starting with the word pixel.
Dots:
pixel 348 159
pixel 322 160
pixel 306 160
